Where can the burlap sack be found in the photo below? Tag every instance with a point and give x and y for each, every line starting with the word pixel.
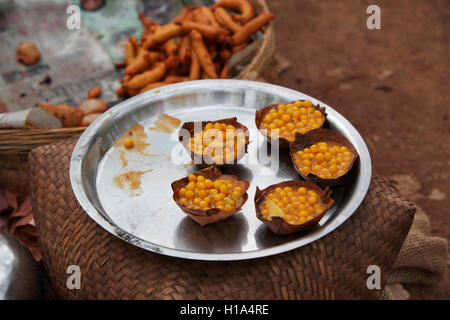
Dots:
pixel 423 258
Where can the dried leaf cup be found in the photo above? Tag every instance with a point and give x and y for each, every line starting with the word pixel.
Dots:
pixel 331 137
pixel 280 225
pixel 189 129
pixel 210 215
pixel 280 140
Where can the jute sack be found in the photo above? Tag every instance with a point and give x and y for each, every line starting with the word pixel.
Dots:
pixel 423 258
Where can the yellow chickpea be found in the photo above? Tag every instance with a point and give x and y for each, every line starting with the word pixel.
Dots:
pixel 128 143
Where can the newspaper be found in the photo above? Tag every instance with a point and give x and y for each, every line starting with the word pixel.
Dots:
pixel 72 60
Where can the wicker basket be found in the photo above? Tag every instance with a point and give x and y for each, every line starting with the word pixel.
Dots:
pixel 16 144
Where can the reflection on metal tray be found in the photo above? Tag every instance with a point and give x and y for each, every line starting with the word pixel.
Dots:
pixel 148 217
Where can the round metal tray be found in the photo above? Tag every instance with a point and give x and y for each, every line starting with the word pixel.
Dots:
pixel 151 219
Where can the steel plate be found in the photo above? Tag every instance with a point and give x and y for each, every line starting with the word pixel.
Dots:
pixel 151 220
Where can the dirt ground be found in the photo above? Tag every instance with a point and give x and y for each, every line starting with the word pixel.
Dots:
pixel 392 84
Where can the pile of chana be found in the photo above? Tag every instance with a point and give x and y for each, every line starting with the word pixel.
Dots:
pixel 221 141
pixel 325 160
pixel 299 116
pixel 297 205
pixel 202 193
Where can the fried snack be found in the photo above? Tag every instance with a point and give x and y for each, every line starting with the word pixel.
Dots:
pixel 185 50
pixel 224 54
pixel 173 62
pixel 130 51
pixel 171 46
pixel 93 106
pixel 94 92
pixel 146 21
pixel 208 196
pixel 141 80
pixel 292 206
pixel 148 32
pixel 89 118
pixel 251 27
pixel 225 72
pixel 226 20
pixel 144 59
pixel 280 122
pixel 121 92
pixel 198 16
pixel 207 12
pixel 324 157
pixel 208 31
pixel 28 53
pixel 162 34
pixel 70 117
pixel 220 142
pixel 197 44
pixel 243 6
pixel 194 72
pixel 204 58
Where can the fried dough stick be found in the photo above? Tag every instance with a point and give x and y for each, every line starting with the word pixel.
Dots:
pixel 206 12
pixel 251 27
pixel 225 19
pixel 208 31
pixel 130 51
pixel 244 7
pixel 204 58
pixel 162 34
pixel 143 60
pixel 185 50
pixel 194 72
pixel 141 80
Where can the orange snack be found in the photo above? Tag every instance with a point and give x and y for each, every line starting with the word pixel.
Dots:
pixel 141 80
pixel 70 117
pixel 244 7
pixel 285 120
pixel 146 21
pixel 143 60
pixel 203 55
pixel 28 53
pixel 208 31
pixel 171 46
pixel 195 69
pixel 185 50
pixel 251 27
pixel 207 12
pixel 162 34
pixel 130 51
pixel 325 160
pixel 225 19
pixel 292 206
pixel 225 72
pixel 94 92
pixel 208 196
pixel 221 142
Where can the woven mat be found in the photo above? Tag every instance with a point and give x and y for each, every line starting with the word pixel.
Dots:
pixel 333 267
